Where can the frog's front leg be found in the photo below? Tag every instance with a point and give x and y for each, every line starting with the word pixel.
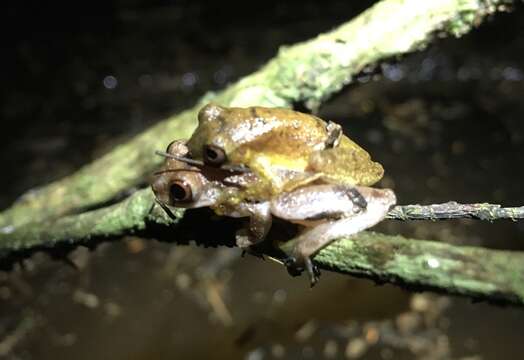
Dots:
pixel 327 212
pixel 260 221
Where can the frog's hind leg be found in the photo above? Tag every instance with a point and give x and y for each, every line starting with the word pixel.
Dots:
pixel 331 212
pixel 313 239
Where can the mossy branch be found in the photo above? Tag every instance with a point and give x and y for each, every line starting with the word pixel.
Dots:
pixel 309 72
pixel 474 272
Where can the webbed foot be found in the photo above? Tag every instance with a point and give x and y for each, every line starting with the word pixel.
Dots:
pixel 294 268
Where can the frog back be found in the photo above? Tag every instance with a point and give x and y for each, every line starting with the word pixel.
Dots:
pixel 281 136
pixel 347 164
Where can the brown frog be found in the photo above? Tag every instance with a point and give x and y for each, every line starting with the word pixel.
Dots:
pixel 264 162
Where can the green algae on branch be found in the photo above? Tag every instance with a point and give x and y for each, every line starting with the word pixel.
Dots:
pixel 385 31
pixel 474 272
pixel 103 179
pixel 309 72
pixel 124 218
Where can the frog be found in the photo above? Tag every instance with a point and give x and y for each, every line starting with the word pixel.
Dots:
pixel 248 176
pixel 286 149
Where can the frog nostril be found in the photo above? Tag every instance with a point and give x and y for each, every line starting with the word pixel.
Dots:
pixel 180 191
pixel 213 155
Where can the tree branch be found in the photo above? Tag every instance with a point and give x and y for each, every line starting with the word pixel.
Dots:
pixel 474 272
pixel 308 72
pixel 454 210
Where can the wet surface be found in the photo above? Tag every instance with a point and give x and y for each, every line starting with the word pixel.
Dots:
pixel 445 123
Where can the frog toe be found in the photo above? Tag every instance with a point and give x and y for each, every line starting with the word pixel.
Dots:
pixel 313 271
pixel 292 266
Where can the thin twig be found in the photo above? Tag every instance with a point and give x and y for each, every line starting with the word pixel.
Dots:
pixel 454 210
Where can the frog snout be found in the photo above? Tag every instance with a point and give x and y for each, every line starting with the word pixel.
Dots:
pixel 388 197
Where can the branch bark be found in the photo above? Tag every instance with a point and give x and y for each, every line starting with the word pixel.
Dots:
pixel 474 272
pixel 454 210
pixel 307 72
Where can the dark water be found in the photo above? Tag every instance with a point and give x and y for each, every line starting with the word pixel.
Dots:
pixel 445 123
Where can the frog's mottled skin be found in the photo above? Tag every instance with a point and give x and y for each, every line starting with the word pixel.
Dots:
pixel 286 149
pixel 276 163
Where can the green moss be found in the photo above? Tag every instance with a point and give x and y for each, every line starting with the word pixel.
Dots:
pixel 464 270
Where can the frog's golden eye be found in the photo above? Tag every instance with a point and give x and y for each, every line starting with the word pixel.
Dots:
pixel 213 155
pixel 180 191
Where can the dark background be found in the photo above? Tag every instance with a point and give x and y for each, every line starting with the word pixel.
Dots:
pixel 77 79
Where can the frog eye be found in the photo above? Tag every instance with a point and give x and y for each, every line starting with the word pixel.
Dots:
pixel 169 148
pixel 213 155
pixel 178 148
pixel 180 191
